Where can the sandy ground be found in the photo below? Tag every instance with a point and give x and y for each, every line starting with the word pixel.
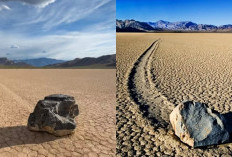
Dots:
pixel 94 91
pixel 157 72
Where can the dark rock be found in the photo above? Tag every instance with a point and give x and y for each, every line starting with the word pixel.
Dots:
pixel 197 125
pixel 55 114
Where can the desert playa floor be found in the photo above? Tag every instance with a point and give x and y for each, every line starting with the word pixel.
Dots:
pixel 158 71
pixel 94 91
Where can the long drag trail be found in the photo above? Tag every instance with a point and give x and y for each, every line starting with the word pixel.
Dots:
pixel 142 111
pixel 143 92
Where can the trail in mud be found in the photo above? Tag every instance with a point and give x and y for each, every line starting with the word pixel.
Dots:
pixel 143 92
pixel 142 111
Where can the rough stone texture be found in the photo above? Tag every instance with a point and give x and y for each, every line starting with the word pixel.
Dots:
pixel 197 125
pixel 55 114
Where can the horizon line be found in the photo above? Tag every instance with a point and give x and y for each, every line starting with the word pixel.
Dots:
pixel 55 58
pixel 176 21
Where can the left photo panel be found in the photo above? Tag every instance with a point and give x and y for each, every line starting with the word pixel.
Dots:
pixel 57 78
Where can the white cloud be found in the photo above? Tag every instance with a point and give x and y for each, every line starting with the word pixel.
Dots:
pixel 68 46
pixel 66 29
pixel 65 13
pixel 62 12
pixel 39 3
pixel 4 7
pixel 14 46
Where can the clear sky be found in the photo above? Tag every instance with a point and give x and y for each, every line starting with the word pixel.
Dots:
pixel 217 12
pixel 61 29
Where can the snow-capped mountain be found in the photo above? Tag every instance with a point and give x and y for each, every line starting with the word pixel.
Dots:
pixel 132 25
pixel 169 26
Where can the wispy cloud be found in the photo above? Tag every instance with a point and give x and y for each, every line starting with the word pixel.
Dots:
pixel 14 46
pixel 66 46
pixel 67 12
pixel 4 7
pixel 39 3
pixel 66 29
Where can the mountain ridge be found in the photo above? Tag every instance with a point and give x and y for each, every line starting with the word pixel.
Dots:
pixel 102 62
pixel 40 62
pixel 5 62
pixel 106 61
pixel 132 26
pixel 161 25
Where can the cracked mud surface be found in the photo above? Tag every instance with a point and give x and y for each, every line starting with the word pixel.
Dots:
pixel 94 91
pixel 184 66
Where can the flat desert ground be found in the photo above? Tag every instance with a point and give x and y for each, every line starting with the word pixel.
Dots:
pixel 158 71
pixel 94 91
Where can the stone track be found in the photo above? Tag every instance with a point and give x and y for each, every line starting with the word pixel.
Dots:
pixel 143 115
pixel 142 89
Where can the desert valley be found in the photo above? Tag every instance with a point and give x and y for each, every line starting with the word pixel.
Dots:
pixel 156 72
pixel 94 92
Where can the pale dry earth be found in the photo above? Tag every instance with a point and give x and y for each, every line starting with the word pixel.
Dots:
pixel 152 80
pixel 94 91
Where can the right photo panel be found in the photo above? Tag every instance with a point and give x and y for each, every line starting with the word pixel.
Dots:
pixel 174 78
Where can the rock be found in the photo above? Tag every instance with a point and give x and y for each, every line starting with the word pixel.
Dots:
pixel 55 114
pixel 197 125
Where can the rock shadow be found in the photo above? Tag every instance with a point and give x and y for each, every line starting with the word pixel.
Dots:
pixel 20 135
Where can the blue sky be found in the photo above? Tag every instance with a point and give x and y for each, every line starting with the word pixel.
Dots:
pixel 217 12
pixel 61 29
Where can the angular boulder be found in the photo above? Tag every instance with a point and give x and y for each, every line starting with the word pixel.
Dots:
pixel 55 114
pixel 197 125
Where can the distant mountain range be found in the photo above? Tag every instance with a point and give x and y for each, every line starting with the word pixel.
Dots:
pixel 162 26
pixel 4 62
pixel 107 61
pixel 132 25
pixel 40 62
